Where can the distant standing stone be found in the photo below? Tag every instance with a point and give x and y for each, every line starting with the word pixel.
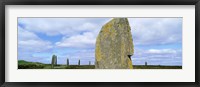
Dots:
pixel 114 45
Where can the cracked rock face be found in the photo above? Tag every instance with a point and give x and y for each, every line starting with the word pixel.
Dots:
pixel 114 45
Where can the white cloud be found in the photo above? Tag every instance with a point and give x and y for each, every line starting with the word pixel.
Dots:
pixel 77 32
pixel 157 56
pixel 155 31
pixel 86 40
pixel 34 45
pixel 64 26
pixel 28 41
pixel 145 31
pixel 159 51
pixel 26 35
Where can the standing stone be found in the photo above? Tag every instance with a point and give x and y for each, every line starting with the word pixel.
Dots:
pixel 114 45
pixel 53 61
pixel 67 62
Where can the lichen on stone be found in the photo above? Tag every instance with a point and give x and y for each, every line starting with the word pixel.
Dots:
pixel 113 45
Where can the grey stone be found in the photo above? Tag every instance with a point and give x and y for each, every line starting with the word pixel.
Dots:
pixel 114 45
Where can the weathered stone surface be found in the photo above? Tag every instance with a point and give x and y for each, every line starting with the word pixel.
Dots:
pixel 114 45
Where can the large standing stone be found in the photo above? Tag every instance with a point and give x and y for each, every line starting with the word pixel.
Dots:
pixel 114 45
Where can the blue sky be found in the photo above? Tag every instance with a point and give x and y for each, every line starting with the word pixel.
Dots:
pixel 157 41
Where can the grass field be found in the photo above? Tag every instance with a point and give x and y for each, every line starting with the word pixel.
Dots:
pixel 36 65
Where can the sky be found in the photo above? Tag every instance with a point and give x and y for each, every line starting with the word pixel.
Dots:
pixel 157 41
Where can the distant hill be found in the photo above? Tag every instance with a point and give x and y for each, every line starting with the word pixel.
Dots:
pixel 22 64
pixel 26 62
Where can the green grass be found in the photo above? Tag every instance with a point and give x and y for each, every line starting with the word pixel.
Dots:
pixel 29 65
pixel 156 67
pixel 36 65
